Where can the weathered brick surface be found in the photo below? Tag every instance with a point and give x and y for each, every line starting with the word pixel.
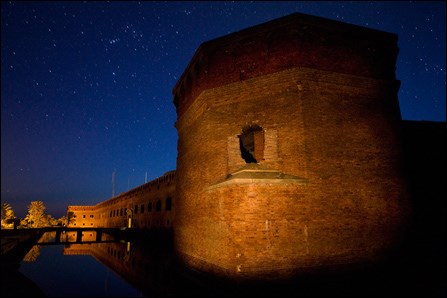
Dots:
pixel 330 115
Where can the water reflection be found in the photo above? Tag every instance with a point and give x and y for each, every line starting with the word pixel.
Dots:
pixel 147 266
pixel 34 252
pixel 76 275
pixel 146 262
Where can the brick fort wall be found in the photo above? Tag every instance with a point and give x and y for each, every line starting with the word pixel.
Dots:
pixel 327 185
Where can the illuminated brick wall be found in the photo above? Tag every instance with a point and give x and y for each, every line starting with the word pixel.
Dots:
pixel 150 205
pixel 328 188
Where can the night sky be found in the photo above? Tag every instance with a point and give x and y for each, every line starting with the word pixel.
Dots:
pixel 86 86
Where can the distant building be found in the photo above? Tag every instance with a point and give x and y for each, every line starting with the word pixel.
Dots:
pixel 146 206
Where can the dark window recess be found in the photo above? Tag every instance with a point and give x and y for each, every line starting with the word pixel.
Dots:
pixel 168 203
pixel 251 143
pixel 142 208
pixel 136 209
pixel 149 207
pixel 158 206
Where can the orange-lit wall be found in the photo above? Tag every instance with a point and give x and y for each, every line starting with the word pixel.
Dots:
pixel 326 97
pixel 147 206
pixel 329 189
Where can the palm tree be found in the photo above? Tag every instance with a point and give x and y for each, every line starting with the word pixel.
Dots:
pixel 70 218
pixel 8 216
pixel 36 216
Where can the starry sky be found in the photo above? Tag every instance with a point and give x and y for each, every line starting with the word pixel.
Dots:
pixel 86 86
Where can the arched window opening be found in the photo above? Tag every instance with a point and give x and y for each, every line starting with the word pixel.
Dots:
pixel 158 206
pixel 168 203
pixel 251 143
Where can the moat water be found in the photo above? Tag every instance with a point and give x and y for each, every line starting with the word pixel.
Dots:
pixel 148 268
pixel 59 275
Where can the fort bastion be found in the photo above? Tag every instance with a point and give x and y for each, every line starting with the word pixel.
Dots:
pixel 289 153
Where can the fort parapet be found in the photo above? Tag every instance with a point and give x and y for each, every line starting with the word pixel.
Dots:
pixel 289 150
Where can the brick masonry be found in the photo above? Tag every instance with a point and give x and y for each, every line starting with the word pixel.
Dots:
pixel 136 208
pixel 329 188
pixel 325 95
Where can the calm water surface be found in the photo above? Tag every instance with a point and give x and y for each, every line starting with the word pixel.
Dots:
pixel 147 268
pixel 143 267
pixel 59 275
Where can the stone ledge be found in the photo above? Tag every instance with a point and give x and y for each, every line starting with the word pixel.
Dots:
pixel 255 174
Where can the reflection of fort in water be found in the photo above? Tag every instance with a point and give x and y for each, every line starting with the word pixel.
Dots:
pixel 147 267
pixel 289 154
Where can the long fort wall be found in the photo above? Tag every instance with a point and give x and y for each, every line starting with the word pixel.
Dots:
pixel 150 205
